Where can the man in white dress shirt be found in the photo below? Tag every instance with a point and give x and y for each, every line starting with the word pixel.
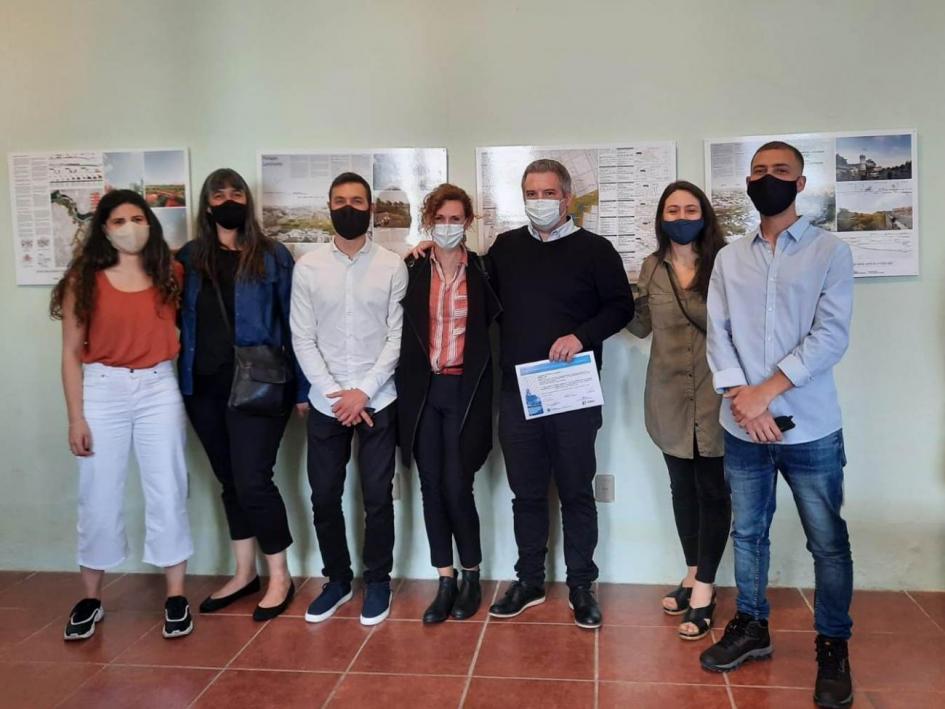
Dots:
pixel 346 322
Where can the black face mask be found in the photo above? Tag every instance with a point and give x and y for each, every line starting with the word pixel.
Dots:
pixel 772 195
pixel 229 215
pixel 349 222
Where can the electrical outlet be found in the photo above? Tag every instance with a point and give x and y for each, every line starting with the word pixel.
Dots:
pixel 604 488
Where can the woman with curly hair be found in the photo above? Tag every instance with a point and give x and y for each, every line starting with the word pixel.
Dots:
pixel 444 393
pixel 118 305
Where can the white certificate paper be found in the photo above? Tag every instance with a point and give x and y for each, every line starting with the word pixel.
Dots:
pixel 549 388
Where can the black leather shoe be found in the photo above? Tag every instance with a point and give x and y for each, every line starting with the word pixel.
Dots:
pixel 440 609
pixel 261 614
pixel 470 596
pixel 211 605
pixel 586 609
pixel 834 687
pixel 745 638
pixel 519 597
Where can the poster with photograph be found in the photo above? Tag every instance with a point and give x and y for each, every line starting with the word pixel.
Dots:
pixel 863 186
pixel 53 196
pixel 293 191
pixel 616 190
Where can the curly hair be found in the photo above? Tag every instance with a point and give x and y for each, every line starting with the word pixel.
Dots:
pixel 443 193
pixel 95 253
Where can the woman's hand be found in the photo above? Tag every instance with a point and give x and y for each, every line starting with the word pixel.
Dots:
pixel 80 438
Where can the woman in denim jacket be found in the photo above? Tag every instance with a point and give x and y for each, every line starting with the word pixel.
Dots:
pixel 237 277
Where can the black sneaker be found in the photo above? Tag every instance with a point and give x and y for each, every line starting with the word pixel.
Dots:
pixel 586 609
pixel 745 638
pixel 177 619
pixel 519 597
pixel 83 618
pixel 834 686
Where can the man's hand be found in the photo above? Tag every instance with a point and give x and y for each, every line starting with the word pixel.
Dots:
pixel 564 349
pixel 301 409
pixel 420 250
pixel 748 402
pixel 349 406
pixel 763 429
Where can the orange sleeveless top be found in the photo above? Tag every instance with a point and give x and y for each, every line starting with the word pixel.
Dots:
pixel 131 329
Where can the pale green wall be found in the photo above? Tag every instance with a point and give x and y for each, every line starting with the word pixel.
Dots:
pixel 226 78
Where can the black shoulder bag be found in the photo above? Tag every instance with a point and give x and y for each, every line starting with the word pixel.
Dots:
pixel 260 374
pixel 672 283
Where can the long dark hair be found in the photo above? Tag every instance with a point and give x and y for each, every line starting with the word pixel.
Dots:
pixel 95 253
pixel 708 243
pixel 252 241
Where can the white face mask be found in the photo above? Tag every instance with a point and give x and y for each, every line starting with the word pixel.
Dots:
pixel 130 237
pixel 448 236
pixel 543 213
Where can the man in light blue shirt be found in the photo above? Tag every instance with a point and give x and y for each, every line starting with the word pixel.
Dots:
pixel 779 307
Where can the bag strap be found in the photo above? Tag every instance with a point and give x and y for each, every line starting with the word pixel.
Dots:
pixel 672 283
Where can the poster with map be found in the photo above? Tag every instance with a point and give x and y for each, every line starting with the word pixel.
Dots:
pixel 861 185
pixel 616 190
pixel 293 190
pixel 53 196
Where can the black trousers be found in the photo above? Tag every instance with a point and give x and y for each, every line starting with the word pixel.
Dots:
pixel 449 508
pixel 560 447
pixel 242 450
pixel 329 450
pixel 702 507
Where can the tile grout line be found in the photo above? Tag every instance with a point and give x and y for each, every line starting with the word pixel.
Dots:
pixel 238 653
pixel 597 668
pixel 597 632
pixel 725 680
pixel 80 685
pixel 806 602
pixel 475 657
pixel 227 665
pixel 331 695
pixel 925 612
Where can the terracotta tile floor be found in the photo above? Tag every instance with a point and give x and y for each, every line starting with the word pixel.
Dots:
pixel 537 660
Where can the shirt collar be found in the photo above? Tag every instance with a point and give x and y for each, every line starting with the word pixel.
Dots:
pixel 366 249
pixel 566 229
pixel 796 231
pixel 463 259
pixel 463 262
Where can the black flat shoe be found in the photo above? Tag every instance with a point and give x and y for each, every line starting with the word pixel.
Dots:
pixel 701 618
pixel 212 605
pixel 681 595
pixel 262 614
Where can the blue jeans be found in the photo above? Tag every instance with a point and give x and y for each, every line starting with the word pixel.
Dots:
pixel 814 472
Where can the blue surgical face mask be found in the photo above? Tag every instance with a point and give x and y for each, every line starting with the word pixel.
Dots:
pixel 683 231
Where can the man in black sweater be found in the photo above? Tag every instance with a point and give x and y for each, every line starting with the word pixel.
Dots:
pixel 563 290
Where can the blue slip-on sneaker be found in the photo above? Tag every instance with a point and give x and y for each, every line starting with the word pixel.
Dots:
pixel 376 603
pixel 334 595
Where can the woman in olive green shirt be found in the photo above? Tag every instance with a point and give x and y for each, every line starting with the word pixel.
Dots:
pixel 681 406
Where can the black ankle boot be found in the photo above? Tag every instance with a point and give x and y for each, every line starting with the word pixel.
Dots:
pixel 440 609
pixel 834 686
pixel 469 598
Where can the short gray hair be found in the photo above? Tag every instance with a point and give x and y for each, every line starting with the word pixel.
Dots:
pixel 546 165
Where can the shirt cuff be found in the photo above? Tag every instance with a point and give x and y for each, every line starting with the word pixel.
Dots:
pixel 728 378
pixel 795 370
pixel 369 386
